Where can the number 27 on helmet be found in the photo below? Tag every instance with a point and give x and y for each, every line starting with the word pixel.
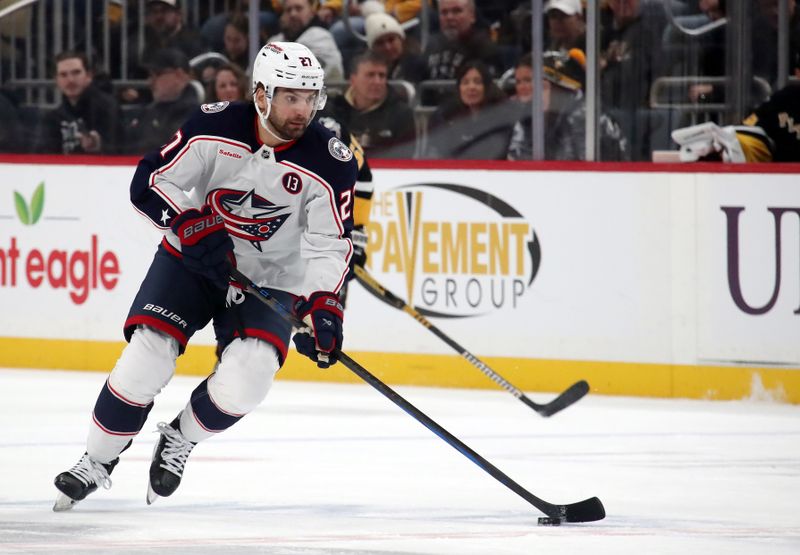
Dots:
pixel 288 65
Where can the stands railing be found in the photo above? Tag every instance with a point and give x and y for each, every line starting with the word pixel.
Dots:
pixel 32 32
pixel 670 93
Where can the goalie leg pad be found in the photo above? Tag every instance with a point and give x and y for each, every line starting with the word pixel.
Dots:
pixel 242 380
pixel 145 367
pixel 707 141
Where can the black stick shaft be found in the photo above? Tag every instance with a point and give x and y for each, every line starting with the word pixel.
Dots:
pixel 548 508
pixel 583 511
pixel 566 398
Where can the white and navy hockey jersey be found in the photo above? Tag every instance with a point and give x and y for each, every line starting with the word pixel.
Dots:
pixel 287 209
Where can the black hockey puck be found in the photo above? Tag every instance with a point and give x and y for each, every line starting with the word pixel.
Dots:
pixel 549 521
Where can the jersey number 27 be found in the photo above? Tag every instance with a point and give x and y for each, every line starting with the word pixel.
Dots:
pixel 345 204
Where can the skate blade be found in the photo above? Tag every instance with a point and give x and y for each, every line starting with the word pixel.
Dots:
pixel 63 503
pixel 151 495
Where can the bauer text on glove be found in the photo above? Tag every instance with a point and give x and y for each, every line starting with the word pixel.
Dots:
pixel 206 247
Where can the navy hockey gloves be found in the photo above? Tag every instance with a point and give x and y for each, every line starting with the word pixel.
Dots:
pixel 323 313
pixel 206 247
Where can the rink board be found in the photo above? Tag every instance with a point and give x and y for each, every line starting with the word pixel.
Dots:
pixel 656 283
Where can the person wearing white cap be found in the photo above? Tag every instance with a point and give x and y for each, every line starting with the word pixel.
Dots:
pixel 380 25
pixel 569 7
pixel 565 24
pixel 387 38
pixel 347 39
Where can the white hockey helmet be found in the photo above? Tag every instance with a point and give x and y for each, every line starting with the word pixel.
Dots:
pixel 290 65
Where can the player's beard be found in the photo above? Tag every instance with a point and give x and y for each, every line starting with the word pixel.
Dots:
pixel 288 129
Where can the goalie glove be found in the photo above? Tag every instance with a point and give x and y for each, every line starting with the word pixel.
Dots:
pixel 708 141
pixel 323 314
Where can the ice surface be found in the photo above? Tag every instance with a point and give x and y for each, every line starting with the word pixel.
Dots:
pixel 338 469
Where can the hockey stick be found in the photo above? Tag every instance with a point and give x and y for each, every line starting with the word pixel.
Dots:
pixel 587 510
pixel 569 396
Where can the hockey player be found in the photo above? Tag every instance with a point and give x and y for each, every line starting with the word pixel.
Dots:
pixel 362 205
pixel 770 134
pixel 258 186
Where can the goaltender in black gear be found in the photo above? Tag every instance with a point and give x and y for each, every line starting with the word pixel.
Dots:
pixel 770 134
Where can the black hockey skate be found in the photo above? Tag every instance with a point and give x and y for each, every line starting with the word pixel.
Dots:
pixel 81 480
pixel 169 460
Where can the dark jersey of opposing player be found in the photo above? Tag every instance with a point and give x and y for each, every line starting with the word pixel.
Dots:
pixel 364 187
pixel 288 209
pixel 779 117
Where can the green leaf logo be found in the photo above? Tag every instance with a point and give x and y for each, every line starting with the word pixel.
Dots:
pixel 37 203
pixel 30 216
pixel 22 208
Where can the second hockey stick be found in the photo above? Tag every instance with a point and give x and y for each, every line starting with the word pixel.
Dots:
pixel 588 510
pixel 569 396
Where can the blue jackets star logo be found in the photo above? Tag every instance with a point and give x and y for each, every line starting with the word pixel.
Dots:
pixel 247 215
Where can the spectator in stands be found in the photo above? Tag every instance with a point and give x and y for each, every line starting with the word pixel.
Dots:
pixel 459 40
pixel 212 29
pixel 564 106
pixel 165 28
pixel 386 37
pixel 229 83
pixel 87 120
pixel 523 80
pixel 565 115
pixel 377 117
pixel 11 140
pixel 174 98
pixel 204 67
pixel 565 24
pixel 348 43
pixel 475 124
pixel 631 51
pixel 299 23
pixel 236 41
pixel 401 10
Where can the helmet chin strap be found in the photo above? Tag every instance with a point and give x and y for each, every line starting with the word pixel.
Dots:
pixel 274 134
pixel 263 120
